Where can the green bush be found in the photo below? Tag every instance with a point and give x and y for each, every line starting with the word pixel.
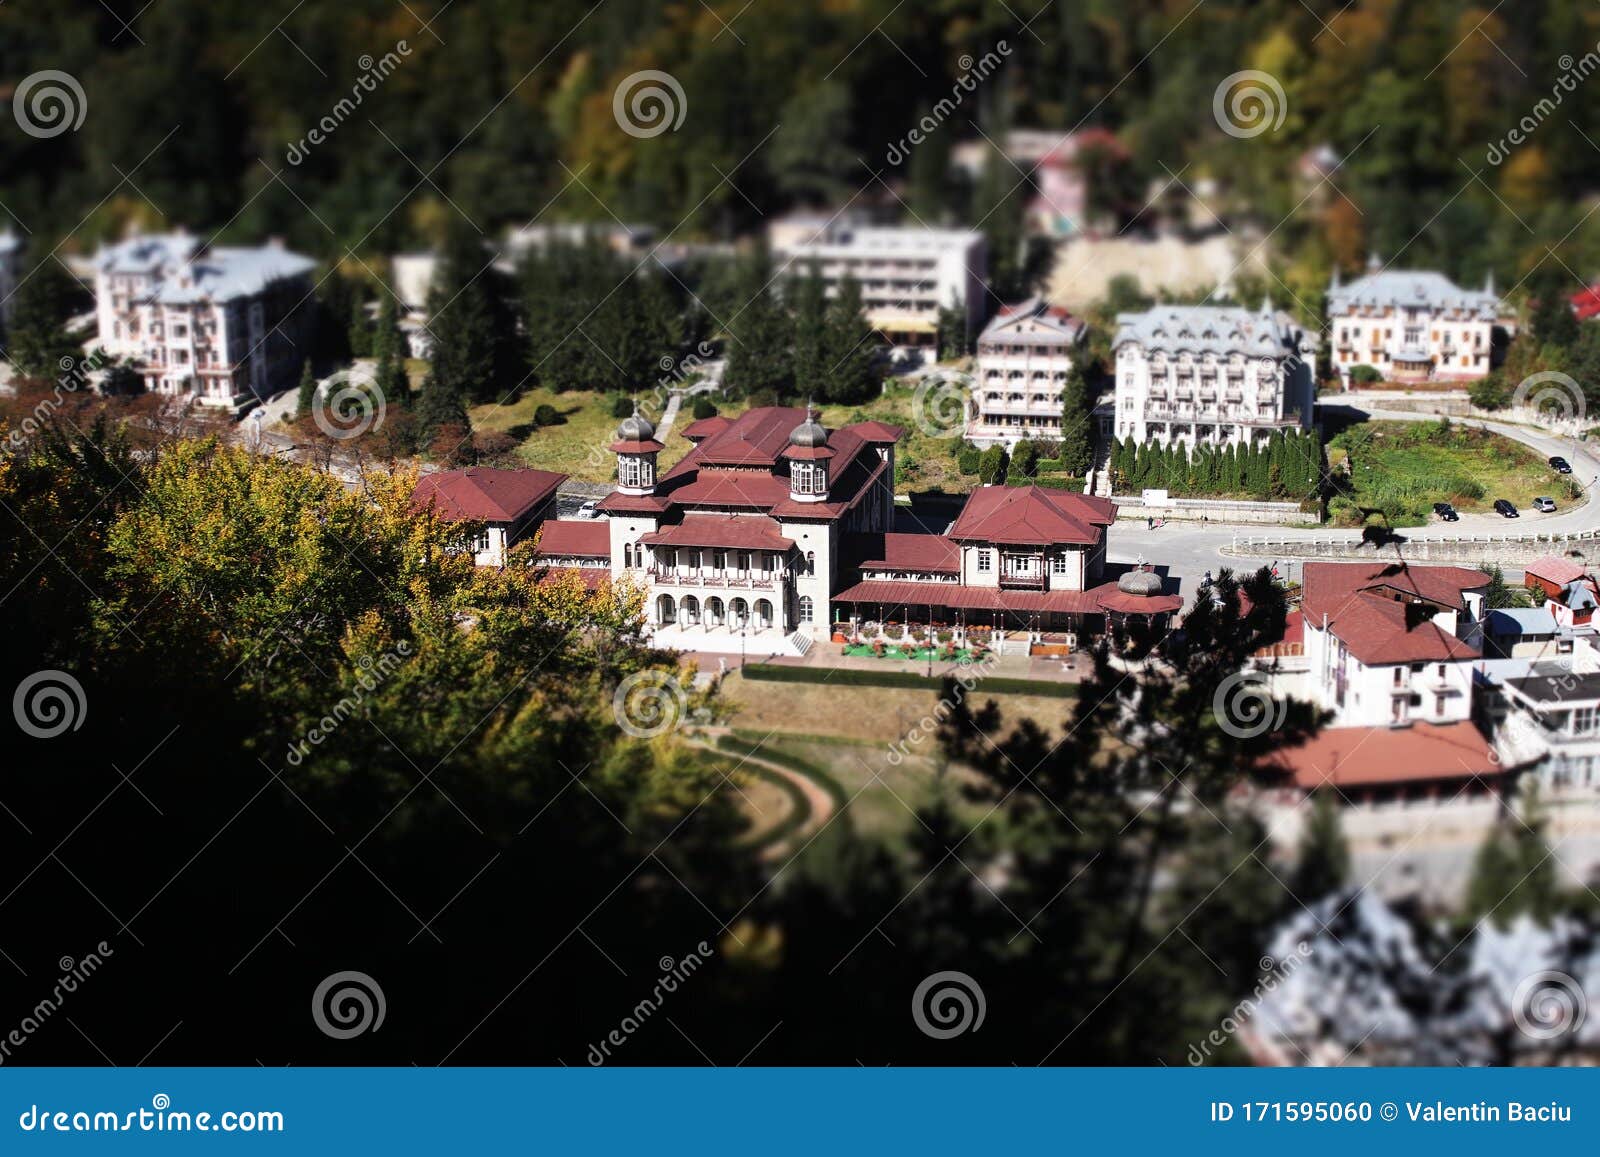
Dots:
pixel 992 464
pixel 1365 375
pixel 547 416
pixel 704 408
pixel 621 408
pixel 968 459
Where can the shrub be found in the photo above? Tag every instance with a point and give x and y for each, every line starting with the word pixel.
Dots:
pixel 621 408
pixel 704 407
pixel 967 460
pixel 1365 375
pixel 547 416
pixel 992 465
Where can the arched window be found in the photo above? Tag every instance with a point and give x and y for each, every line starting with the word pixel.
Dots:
pixel 627 555
pixel 713 612
pixel 690 610
pixel 805 608
pixel 763 614
pixel 738 613
pixel 666 610
pixel 811 562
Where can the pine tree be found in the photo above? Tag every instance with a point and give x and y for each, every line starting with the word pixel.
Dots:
pixel 360 329
pixel 1323 865
pixel 1077 424
pixel 307 398
pixel 468 323
pixel 759 337
pixel 851 348
pixel 808 301
pixel 38 341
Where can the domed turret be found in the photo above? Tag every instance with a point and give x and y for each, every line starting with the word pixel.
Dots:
pixel 1143 583
pixel 636 449
pixel 808 455
pixel 636 428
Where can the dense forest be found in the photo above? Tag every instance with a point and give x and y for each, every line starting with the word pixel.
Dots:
pixel 499 111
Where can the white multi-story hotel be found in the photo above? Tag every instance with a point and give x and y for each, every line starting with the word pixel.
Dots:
pixel 1413 326
pixel 1024 354
pixel 907 274
pixel 10 258
pixel 1211 375
pixel 228 326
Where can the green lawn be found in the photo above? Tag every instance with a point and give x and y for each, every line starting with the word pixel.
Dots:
pixel 1403 468
pixel 577 446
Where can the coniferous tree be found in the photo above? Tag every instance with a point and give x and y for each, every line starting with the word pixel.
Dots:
pixel 852 347
pixel 1077 424
pixel 759 336
pixel 1323 864
pixel 1514 872
pixel 38 343
pixel 360 328
pixel 808 302
pixel 306 400
pixel 469 324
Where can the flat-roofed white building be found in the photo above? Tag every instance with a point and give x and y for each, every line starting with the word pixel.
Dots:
pixel 907 274
pixel 10 261
pixel 1211 375
pixel 1413 326
pixel 1024 356
pixel 228 325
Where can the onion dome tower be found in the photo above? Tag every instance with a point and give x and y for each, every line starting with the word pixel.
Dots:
pixel 808 456
pixel 636 449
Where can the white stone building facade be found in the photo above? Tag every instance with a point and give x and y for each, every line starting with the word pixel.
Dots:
pixel 229 326
pixel 1413 326
pixel 1211 375
pixel 1024 356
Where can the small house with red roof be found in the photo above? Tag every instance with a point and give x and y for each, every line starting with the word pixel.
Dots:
pixel 510 504
pixel 1390 644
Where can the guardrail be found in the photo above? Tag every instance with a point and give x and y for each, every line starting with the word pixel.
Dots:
pixel 1472 548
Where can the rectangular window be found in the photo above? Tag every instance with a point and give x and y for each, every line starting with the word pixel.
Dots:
pixel 985 561
pixel 1058 564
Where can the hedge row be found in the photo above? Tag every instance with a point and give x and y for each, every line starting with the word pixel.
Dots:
pixel 854 677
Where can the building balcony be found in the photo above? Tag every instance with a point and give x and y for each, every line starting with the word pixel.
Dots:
pixel 1021 581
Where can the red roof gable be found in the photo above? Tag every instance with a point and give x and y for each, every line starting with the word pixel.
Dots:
pixel 479 493
pixel 1372 608
pixel 734 531
pixel 579 538
pixel 705 427
pixel 1370 756
pixel 1328 585
pixel 1559 571
pixel 1033 515
pixel 755 438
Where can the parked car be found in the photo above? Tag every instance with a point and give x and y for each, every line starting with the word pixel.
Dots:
pixel 1446 512
pixel 590 509
pixel 1504 509
pixel 1545 505
pixel 1560 465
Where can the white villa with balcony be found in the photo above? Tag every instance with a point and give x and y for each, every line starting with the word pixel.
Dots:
pixel 1024 355
pixel 1211 375
pixel 1413 326
pixel 228 326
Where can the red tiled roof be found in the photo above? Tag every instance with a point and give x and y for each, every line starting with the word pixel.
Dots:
pixel 1560 571
pixel 479 493
pixel 1372 608
pixel 576 538
pixel 1330 584
pixel 755 438
pixel 650 447
pixel 705 427
pixel 1033 515
pixel 739 532
pixel 1586 303
pixel 875 431
pixel 1097 600
pixel 933 553
pixel 1370 756
pixel 592 576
